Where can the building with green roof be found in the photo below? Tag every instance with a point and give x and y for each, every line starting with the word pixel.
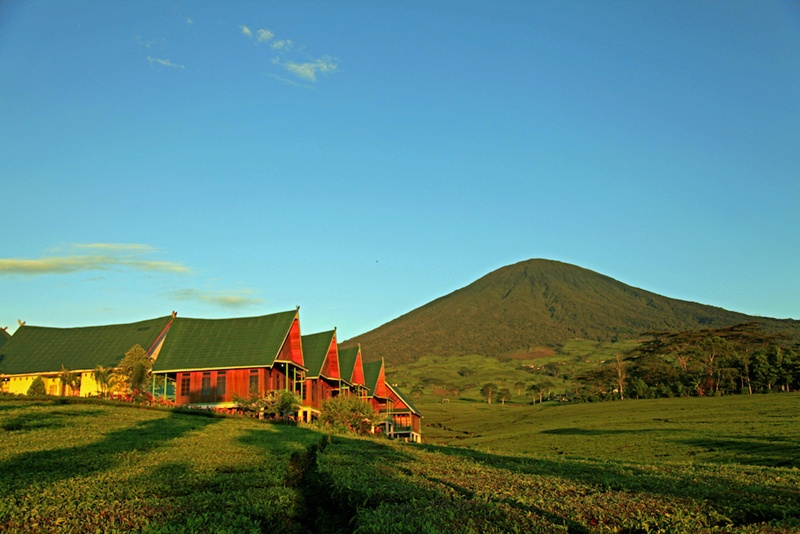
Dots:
pixel 208 362
pixel 402 419
pixel 352 368
pixel 323 379
pixel 35 351
pixel 211 361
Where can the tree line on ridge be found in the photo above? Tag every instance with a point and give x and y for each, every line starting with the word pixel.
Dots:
pixel 739 359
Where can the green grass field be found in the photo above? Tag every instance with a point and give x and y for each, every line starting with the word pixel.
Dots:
pixel 437 375
pixel 696 465
pixel 743 429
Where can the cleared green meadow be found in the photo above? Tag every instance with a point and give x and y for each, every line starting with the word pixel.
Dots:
pixel 673 465
pixel 461 377
pixel 743 429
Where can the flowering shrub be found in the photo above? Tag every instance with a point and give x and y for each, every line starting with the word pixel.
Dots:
pixel 350 412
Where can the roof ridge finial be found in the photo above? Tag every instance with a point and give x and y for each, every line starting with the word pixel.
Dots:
pixel 21 322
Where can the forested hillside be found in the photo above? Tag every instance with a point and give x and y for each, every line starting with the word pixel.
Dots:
pixel 541 303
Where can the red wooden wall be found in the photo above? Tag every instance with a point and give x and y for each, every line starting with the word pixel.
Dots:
pixel 207 387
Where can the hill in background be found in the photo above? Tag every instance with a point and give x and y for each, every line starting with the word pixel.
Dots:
pixel 535 303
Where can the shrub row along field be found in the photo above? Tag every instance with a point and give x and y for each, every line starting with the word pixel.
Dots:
pixel 85 467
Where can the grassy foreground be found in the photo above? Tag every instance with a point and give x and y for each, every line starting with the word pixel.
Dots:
pixel 92 467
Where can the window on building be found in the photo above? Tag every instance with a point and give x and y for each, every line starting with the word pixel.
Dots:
pixel 253 380
pixel 221 379
pixel 205 385
pixel 185 384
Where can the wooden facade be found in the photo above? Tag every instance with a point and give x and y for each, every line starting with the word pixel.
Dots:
pixel 323 379
pixel 211 363
pixel 401 418
pixel 223 385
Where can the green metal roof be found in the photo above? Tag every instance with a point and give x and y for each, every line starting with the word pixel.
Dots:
pixel 194 344
pixel 315 349
pixel 347 362
pixel 38 349
pixel 4 336
pixel 372 371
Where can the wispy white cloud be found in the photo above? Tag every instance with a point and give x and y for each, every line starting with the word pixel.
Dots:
pixel 283 44
pixel 287 81
pixel 262 36
pixel 310 69
pixel 151 43
pixel 108 256
pixel 164 62
pixel 306 69
pixel 233 299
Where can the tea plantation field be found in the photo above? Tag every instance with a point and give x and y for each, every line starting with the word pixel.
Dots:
pixel 678 465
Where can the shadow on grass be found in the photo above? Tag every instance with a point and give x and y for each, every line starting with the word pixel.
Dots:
pixel 595 432
pixel 46 466
pixel 755 450
pixel 30 420
pixel 280 439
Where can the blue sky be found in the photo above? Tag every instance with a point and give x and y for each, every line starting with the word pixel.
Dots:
pixel 360 159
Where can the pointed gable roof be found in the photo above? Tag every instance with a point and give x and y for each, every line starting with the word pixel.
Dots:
pixel 375 379
pixel 316 352
pixel 199 344
pixel 351 365
pixel 38 349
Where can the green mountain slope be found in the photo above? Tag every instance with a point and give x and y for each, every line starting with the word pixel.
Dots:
pixel 539 303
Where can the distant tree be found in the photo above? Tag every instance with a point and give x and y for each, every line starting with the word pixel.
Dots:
pixel 709 361
pixel 551 368
pixel 710 351
pixel 653 369
pixel 134 370
pixel 466 371
pixel 639 388
pixel 69 381
pixel 488 390
pixel 503 395
pixel 37 387
pixel 416 391
pixel 620 368
pixel 597 383
pixel 452 388
pixel 536 391
pixel 105 378
pixel 519 386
